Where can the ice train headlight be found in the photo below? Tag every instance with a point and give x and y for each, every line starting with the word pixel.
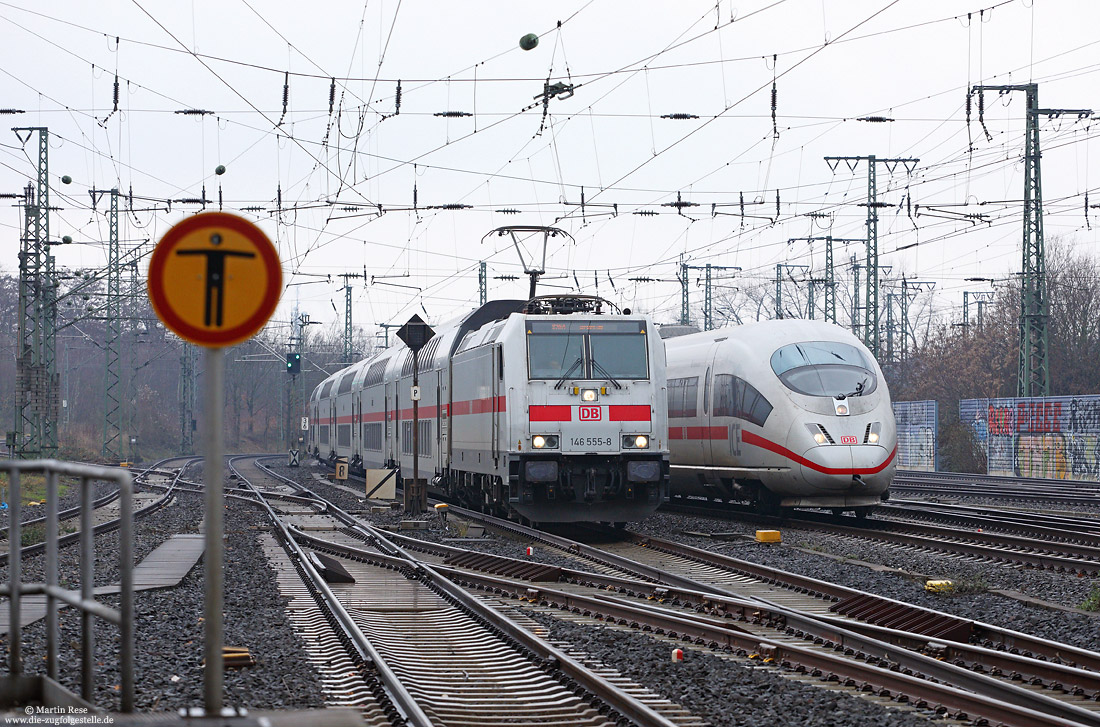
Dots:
pixel 544 441
pixel 873 437
pixel 819 438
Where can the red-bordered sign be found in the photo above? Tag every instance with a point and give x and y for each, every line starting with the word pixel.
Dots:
pixel 590 414
pixel 215 279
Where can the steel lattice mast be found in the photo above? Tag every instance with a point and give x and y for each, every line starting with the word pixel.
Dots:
pixel 1033 378
pixel 186 394
pixel 871 332
pixel 37 390
pixel 112 389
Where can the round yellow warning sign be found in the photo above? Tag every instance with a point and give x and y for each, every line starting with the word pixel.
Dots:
pixel 215 279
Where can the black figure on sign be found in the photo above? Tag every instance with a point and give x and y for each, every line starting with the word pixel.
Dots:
pixel 215 275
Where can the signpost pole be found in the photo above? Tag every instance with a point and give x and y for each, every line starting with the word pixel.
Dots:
pixel 213 475
pixel 416 495
pixel 193 256
pixel 415 334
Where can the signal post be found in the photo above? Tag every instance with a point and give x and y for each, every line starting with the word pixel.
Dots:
pixel 214 280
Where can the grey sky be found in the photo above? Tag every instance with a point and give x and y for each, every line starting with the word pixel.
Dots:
pixel 631 63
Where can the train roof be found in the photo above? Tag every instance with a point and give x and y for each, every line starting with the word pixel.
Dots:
pixel 772 333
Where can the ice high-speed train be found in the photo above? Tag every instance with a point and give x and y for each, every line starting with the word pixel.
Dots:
pixel 552 409
pixel 782 414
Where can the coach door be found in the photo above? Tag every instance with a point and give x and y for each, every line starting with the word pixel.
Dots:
pixel 356 423
pixel 715 431
pixel 440 419
pixel 495 389
pixel 391 421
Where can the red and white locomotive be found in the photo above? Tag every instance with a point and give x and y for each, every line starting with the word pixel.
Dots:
pixel 781 413
pixel 552 408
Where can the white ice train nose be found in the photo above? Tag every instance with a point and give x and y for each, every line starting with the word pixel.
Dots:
pixel 841 468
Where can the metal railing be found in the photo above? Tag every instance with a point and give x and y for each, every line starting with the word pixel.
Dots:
pixel 84 600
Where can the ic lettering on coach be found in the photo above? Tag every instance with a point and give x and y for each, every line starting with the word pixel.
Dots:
pixel 590 414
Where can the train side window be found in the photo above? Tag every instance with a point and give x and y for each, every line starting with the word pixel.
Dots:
pixel 735 397
pixel 682 396
pixel 706 390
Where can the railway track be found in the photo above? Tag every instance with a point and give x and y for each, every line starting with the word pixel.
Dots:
pixel 105 514
pixel 976 537
pixel 443 653
pixel 699 578
pixel 814 629
pixel 1008 489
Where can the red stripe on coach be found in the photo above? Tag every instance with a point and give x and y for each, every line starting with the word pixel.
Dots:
pixel 755 439
pixel 629 413
pixel 553 413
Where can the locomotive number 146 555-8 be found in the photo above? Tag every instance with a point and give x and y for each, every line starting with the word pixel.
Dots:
pixel 592 442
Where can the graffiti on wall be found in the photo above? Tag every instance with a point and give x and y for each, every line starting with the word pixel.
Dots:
pixel 1056 437
pixel 917 428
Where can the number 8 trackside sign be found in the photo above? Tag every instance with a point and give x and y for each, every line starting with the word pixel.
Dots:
pixel 215 279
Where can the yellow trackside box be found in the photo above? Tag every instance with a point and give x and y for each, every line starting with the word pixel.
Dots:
pixel 768 536
pixel 939 586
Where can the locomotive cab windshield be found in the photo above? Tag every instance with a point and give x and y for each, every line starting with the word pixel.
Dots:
pixel 825 368
pixel 601 349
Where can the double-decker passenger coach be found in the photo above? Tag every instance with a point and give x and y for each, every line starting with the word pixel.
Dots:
pixel 553 409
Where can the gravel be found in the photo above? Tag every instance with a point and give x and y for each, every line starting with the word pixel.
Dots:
pixel 169 625
pixel 451 532
pixel 723 691
pixel 1070 628
pixel 975 579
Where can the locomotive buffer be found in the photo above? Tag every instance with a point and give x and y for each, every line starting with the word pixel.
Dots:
pixel 415 334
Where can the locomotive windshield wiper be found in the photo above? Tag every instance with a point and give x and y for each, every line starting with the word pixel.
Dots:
pixel 602 370
pixel 859 389
pixel 568 371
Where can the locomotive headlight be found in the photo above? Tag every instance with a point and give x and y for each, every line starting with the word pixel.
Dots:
pixel 589 395
pixel 544 441
pixel 873 437
pixel 819 438
pixel 641 441
pixel 635 441
pixel 841 409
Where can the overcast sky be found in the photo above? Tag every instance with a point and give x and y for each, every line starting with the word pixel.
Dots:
pixel 630 65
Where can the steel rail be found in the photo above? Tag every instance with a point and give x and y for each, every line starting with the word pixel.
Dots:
pixel 962 691
pixel 989 635
pixel 64 515
pixel 104 527
pixel 402 706
pixel 1043 528
pixel 392 555
pixel 745 609
pixel 987 545
pixel 832 631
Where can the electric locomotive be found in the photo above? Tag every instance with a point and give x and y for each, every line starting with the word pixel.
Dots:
pixel 551 409
pixel 782 414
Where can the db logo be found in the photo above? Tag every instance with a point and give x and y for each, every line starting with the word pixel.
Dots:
pixel 849 440
pixel 590 413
